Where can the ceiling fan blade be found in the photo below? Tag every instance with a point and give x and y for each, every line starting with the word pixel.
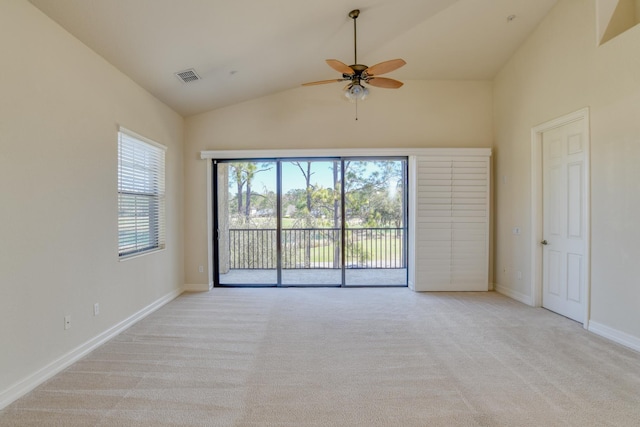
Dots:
pixel 385 67
pixel 322 82
pixel 340 67
pixel 384 82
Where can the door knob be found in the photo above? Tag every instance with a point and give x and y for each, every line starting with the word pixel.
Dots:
pixel 544 242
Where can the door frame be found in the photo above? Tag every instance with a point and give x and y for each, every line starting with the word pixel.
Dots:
pixel 536 206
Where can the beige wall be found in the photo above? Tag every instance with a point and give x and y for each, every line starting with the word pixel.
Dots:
pixel 557 71
pixel 420 114
pixel 60 105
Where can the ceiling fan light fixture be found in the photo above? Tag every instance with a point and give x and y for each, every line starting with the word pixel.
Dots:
pixel 356 92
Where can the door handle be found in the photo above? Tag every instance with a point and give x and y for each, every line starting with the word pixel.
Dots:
pixel 544 242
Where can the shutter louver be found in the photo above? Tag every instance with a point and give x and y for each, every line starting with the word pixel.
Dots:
pixel 141 195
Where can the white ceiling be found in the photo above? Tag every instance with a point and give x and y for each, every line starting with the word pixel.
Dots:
pixel 245 49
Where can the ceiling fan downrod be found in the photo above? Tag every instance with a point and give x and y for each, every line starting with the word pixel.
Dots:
pixel 354 15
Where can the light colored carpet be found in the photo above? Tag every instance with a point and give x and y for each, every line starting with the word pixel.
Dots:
pixel 343 357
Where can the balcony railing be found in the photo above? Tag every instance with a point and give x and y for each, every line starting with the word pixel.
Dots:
pixel 315 248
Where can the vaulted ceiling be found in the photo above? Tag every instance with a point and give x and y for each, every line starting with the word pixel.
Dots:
pixel 244 49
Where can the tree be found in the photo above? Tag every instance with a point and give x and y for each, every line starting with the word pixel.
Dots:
pixel 238 175
pixel 374 195
pixel 306 172
pixel 243 173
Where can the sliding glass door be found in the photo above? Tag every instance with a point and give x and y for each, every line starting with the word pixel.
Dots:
pixel 245 212
pixel 375 222
pixel 310 222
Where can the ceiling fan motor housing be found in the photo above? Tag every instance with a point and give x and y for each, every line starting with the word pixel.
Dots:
pixel 358 69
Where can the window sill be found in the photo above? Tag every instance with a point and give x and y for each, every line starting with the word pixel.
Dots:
pixel 140 254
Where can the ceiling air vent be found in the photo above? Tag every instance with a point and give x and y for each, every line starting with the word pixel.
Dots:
pixel 188 76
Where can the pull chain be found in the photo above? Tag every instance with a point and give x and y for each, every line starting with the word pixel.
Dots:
pixel 356 108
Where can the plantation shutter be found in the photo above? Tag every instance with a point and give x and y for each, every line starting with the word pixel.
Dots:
pixel 141 194
pixel 452 223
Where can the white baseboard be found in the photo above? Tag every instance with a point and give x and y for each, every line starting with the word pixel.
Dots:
pixel 615 335
pixel 32 381
pixel 518 296
pixel 198 287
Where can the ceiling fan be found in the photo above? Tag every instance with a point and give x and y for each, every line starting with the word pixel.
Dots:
pixel 357 74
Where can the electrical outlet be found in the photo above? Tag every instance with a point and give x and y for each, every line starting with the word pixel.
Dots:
pixel 96 309
pixel 201 269
pixel 67 322
pixel 519 275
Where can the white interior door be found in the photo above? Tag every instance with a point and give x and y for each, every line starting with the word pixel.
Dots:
pixel 564 261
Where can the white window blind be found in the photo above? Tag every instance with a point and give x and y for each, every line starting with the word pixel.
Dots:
pixel 141 198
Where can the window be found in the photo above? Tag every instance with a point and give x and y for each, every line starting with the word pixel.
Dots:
pixel 140 194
